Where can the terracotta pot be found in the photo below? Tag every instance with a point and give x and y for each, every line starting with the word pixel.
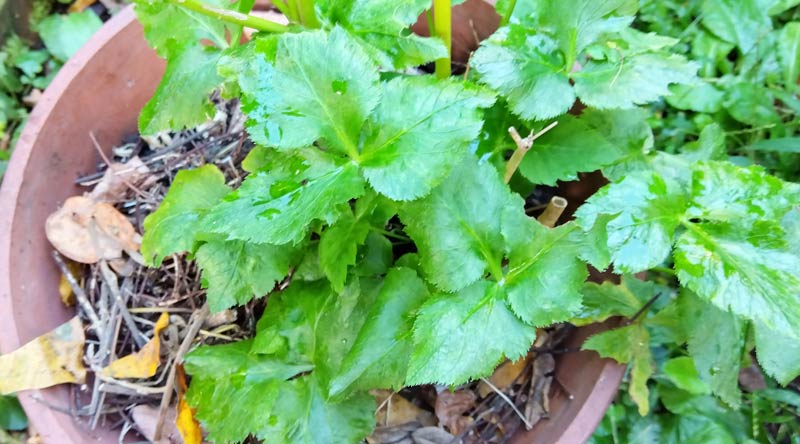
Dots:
pixel 101 90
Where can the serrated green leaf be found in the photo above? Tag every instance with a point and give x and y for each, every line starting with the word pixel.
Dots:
pixel 375 257
pixel 746 272
pixel 182 98
pixel 338 246
pixel 303 415
pixel 694 429
pixel 602 301
pixel 778 353
pixel 419 132
pixel 234 272
pixel 630 344
pixel 716 343
pixel 277 206
pixel 233 390
pixel 459 239
pixel 173 227
pixel 379 356
pixel 381 28
pixel 63 35
pixel 464 336
pixel 528 70
pixel 311 85
pixel 631 81
pixel 723 192
pixel 741 22
pixel 545 274
pixel 645 430
pixel 569 148
pixel 648 207
pixel 682 372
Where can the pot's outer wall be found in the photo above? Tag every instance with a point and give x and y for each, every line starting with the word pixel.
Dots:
pixel 101 89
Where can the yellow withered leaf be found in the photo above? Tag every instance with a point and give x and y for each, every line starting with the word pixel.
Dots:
pixel 64 288
pixel 51 359
pixel 144 363
pixel 187 424
pixel 80 5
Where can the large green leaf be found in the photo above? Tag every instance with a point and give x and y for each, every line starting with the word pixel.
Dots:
pixel 748 272
pixel 173 227
pixel 419 132
pixel 381 27
pixel 457 228
pixel 234 271
pixel 778 353
pixel 602 301
pixel 379 356
pixel 463 336
pixel 528 70
pixel 338 246
pixel 648 209
pixel 63 35
pixel 277 205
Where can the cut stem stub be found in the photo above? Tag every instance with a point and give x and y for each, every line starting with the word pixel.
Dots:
pixel 553 212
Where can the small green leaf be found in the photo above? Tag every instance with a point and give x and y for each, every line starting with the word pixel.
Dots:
pixel 173 227
pixel 631 345
pixel 716 343
pixel 645 430
pixel 182 98
pixel 602 301
pixel 277 206
pixel 233 390
pixel 741 22
pixel 234 271
pixel 381 28
pixel 682 372
pixel 528 70
pixel 464 336
pixel 789 52
pixel 338 246
pixel 694 429
pixel 63 35
pixel 702 97
pixel 631 81
pixel 778 354
pixel 419 132
pixel 569 148
pixel 379 356
pixel 12 417
pixel 751 104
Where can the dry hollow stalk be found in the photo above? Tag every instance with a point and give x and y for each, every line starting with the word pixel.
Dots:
pixel 553 211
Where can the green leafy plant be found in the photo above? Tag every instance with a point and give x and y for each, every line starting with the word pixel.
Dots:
pixel 377 198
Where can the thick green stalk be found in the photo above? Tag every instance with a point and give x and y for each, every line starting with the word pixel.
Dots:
pixel 509 13
pixel 308 17
pixel 442 23
pixel 229 16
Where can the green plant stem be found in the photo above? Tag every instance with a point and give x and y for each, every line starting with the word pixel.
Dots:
pixel 229 16
pixel 442 25
pixel 308 17
pixel 664 270
pixel 504 21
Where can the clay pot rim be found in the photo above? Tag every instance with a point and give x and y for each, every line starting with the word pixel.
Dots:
pixel 604 387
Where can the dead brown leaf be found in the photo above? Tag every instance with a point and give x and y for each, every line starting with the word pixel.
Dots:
pixel 398 410
pixel 537 406
pixel 51 359
pixel 144 363
pixel 117 179
pixel 186 422
pixel 431 435
pixel 86 231
pixel 503 376
pixel 146 417
pixel 450 406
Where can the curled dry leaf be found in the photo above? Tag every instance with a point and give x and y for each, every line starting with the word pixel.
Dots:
pixel 117 178
pixel 144 363
pixel 431 435
pixel 87 231
pixel 51 359
pixel 187 424
pixel 538 404
pixel 397 410
pixel 450 406
pixel 503 376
